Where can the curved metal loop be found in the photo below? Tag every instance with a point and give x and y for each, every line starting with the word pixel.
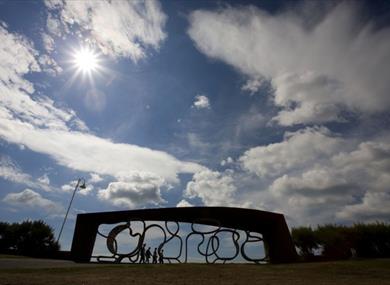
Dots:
pixel 210 246
pixel 249 238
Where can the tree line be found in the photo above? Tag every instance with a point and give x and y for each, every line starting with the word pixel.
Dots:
pixel 343 242
pixel 29 238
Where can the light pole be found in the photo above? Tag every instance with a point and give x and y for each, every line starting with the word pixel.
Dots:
pixel 82 186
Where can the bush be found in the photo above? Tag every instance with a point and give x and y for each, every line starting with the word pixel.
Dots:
pixel 340 242
pixel 30 238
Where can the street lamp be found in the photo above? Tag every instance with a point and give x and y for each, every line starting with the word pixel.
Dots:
pixel 80 184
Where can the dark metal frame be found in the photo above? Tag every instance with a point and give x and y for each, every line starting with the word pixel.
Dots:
pixel 278 244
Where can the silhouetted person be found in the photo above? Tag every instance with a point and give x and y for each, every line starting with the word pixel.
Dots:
pixel 161 256
pixel 142 259
pixel 155 256
pixel 148 254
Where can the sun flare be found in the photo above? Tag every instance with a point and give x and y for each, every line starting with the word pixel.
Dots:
pixel 86 60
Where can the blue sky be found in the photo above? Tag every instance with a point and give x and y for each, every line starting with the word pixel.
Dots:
pixel 272 105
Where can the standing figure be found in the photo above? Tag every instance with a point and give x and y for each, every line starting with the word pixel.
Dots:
pixel 155 256
pixel 161 256
pixel 142 254
pixel 148 254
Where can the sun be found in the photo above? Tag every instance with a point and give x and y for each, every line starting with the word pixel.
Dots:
pixel 86 60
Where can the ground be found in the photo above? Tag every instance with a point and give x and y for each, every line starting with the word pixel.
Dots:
pixel 356 272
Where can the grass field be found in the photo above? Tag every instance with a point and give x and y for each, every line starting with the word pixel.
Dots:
pixel 343 272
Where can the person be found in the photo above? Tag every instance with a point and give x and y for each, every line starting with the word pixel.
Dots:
pixel 142 254
pixel 161 256
pixel 155 256
pixel 148 254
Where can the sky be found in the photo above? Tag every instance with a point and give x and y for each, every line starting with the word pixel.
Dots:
pixel 280 106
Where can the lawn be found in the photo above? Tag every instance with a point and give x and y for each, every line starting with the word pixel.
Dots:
pixel 343 272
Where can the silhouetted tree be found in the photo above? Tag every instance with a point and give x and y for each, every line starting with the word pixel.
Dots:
pixel 336 241
pixel 372 240
pixel 6 237
pixel 339 242
pixel 30 238
pixel 305 239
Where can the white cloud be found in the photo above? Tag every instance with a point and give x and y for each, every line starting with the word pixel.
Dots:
pixel 11 172
pixel 298 150
pixel 49 65
pixel 135 190
pixel 227 161
pixel 95 178
pixel 201 102
pixel 118 28
pixel 374 206
pixel 317 70
pixel 36 123
pixel 48 42
pixel 212 187
pixel 31 199
pixel 184 203
pixel 17 57
pixel 53 25
pixel 44 179
pixel 71 186
pixel 315 176
pixel 253 85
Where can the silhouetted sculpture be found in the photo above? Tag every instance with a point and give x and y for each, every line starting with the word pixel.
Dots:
pixel 275 235
pixel 155 256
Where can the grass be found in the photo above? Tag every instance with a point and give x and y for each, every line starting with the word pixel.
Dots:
pixel 342 272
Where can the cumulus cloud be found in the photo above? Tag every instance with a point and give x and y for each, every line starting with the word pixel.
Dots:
pixel 201 102
pixel 314 172
pixel 374 206
pixel 31 199
pixel 298 150
pixel 135 189
pixel 212 187
pixel 118 28
pixel 317 70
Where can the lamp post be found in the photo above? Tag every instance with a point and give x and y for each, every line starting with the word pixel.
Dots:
pixel 80 184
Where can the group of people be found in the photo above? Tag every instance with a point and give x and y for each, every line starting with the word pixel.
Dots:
pixel 146 254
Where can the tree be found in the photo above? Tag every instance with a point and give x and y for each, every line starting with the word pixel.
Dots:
pixel 336 241
pixel 305 240
pixel 30 238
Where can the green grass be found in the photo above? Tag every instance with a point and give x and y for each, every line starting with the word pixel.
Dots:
pixel 354 272
pixel 11 256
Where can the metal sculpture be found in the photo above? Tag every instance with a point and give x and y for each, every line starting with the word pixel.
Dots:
pixel 272 227
pixel 210 241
